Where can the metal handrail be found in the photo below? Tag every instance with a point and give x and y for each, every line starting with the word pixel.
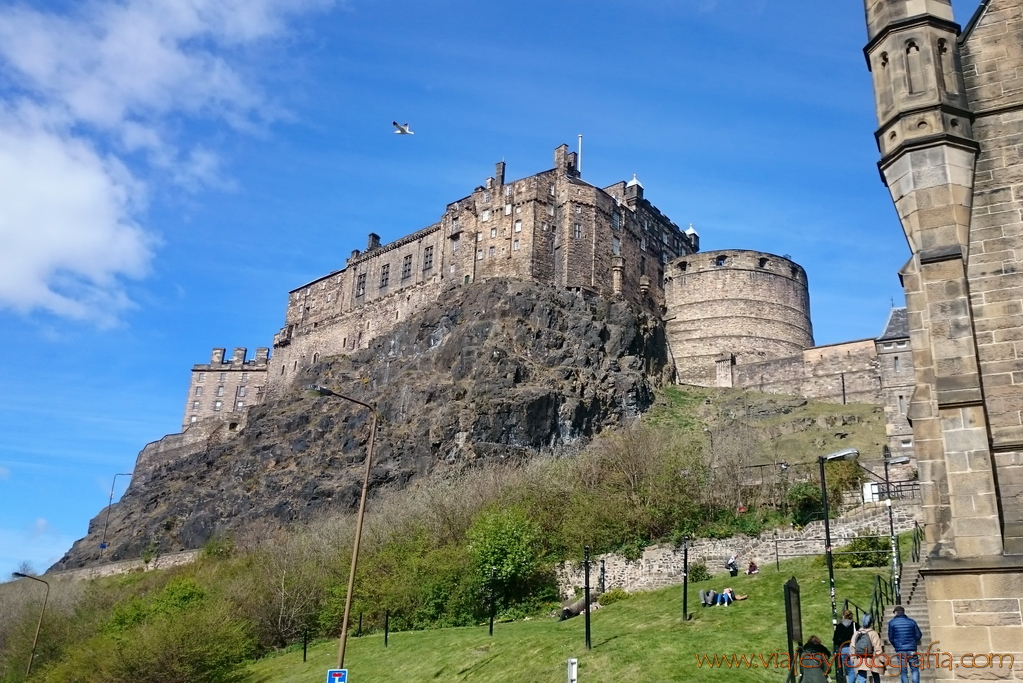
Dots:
pixel 918 542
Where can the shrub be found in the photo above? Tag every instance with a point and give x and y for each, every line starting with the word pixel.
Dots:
pixel 612 596
pixel 874 551
pixel 698 572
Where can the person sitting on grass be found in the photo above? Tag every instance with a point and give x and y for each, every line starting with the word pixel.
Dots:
pixel 753 568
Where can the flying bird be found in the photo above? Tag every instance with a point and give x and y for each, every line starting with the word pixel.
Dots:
pixel 402 129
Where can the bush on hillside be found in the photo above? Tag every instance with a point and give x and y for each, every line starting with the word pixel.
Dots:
pixel 612 596
pixel 698 572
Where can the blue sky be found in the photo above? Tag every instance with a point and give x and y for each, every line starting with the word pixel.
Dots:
pixel 169 169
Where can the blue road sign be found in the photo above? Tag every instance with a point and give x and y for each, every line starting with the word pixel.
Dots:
pixel 337 676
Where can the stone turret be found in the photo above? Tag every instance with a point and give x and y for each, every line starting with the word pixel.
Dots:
pixel 928 156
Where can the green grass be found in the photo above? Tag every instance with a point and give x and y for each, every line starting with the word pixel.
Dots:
pixel 639 639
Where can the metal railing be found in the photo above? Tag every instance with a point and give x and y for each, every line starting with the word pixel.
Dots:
pixel 918 542
pixel 881 598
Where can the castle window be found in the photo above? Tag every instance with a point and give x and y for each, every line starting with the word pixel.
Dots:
pixel 616 220
pixel 515 245
pixel 550 190
pixel 217 405
pixel 245 377
pixel 492 252
pixel 578 209
pixel 906 443
pixel 507 190
pixel 577 231
pixel 642 265
pixel 550 209
pixel 479 237
pixel 683 266
pixel 385 275
pixel 642 243
pixel 897 364
pixel 241 391
pixel 762 263
pixel 493 232
pixel 427 258
pixel 518 209
pixel 518 226
pixel 220 390
pixel 914 68
pixel 902 405
pixel 479 256
pixel 901 344
pixel 664 238
pixel 360 284
pixel 195 405
pixel 223 376
pixel 616 246
pixel 456 245
pixel 720 260
pixel 239 405
pixel 406 267
pixel 455 226
pixel 486 195
pixel 664 257
pixel 507 209
pixel 198 391
pixel 794 271
pixel 201 377
pixel 889 345
pixel 485 216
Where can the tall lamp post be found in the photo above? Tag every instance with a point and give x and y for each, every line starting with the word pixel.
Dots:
pixel 316 390
pixel 821 460
pixel 35 640
pixel 886 454
pixel 106 522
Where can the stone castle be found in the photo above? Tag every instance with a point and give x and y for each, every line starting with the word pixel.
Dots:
pixel 734 318
pixel 949 105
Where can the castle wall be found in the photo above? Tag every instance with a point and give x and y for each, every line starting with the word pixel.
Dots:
pixel 551 227
pixel 895 364
pixel 748 305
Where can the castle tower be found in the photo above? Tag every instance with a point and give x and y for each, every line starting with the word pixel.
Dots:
pixel 949 130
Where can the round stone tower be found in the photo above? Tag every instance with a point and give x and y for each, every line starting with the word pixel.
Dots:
pixel 734 307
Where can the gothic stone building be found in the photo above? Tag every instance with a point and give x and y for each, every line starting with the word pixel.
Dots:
pixel 950 130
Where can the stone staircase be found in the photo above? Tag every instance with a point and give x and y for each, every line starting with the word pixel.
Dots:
pixel 914 599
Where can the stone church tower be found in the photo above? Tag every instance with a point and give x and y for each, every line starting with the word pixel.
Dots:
pixel 950 132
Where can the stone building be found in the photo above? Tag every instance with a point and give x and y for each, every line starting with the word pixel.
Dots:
pixel 895 370
pixel 552 227
pixel 950 129
pixel 223 388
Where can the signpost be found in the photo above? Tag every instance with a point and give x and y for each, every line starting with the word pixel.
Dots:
pixel 337 676
pixel 793 625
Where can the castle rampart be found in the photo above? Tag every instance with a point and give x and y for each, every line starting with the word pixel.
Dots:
pixel 224 388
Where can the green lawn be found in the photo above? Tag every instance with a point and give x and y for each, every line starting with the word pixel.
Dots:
pixel 639 639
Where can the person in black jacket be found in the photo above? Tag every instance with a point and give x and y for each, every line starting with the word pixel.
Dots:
pixel 814 661
pixel 841 641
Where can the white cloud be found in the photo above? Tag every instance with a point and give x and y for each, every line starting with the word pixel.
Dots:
pixel 95 105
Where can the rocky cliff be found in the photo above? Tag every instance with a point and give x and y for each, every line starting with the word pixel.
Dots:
pixel 497 369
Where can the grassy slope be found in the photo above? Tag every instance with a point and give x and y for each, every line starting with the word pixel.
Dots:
pixel 640 639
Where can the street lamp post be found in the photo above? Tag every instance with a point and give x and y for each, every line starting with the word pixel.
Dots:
pixel 106 522
pixel 821 459
pixel 316 390
pixel 886 453
pixel 39 625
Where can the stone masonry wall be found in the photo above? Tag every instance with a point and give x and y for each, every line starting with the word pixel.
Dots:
pixel 661 566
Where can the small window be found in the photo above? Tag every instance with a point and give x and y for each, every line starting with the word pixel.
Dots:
pixel 239 405
pixel 406 267
pixel 223 376
pixel 550 190
pixel 491 252
pixel 902 344
pixel 198 391
pixel 518 209
pixel 485 216
pixel 762 263
pixel 242 391
pixel 195 405
pixel 897 364
pixel 664 238
pixel 683 266
pixel 507 190
pixel 550 209
pixel 385 275
pixel 493 232
pixel 616 220
pixel 907 443
pixel 428 258
pixel 518 226
pixel 201 377
pixel 642 265
pixel 578 209
pixel 616 246
pixel 889 345
pixel 507 209
pixel 479 256
pixel 720 260
pixel 479 237
pixel 902 405
pixel 456 245
pixel 486 195
pixel 193 419
pixel 245 377
pixel 455 225
pixel 220 390
pixel 642 243
pixel 217 405
pixel 360 284
pixel 515 244
pixel 794 271
pixel 577 231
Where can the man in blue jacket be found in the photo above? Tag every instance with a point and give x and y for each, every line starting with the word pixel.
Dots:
pixel 904 634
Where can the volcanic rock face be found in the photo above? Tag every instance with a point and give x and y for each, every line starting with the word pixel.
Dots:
pixel 497 369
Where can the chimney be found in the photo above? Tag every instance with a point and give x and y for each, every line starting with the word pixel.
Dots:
pixel 239 355
pixel 374 242
pixel 499 173
pixel 218 357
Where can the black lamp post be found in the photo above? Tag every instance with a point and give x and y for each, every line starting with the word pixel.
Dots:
pixel 316 390
pixel 886 453
pixel 35 640
pixel 821 459
pixel 106 522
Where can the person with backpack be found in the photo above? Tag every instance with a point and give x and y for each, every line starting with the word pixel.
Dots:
pixel 866 646
pixel 904 634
